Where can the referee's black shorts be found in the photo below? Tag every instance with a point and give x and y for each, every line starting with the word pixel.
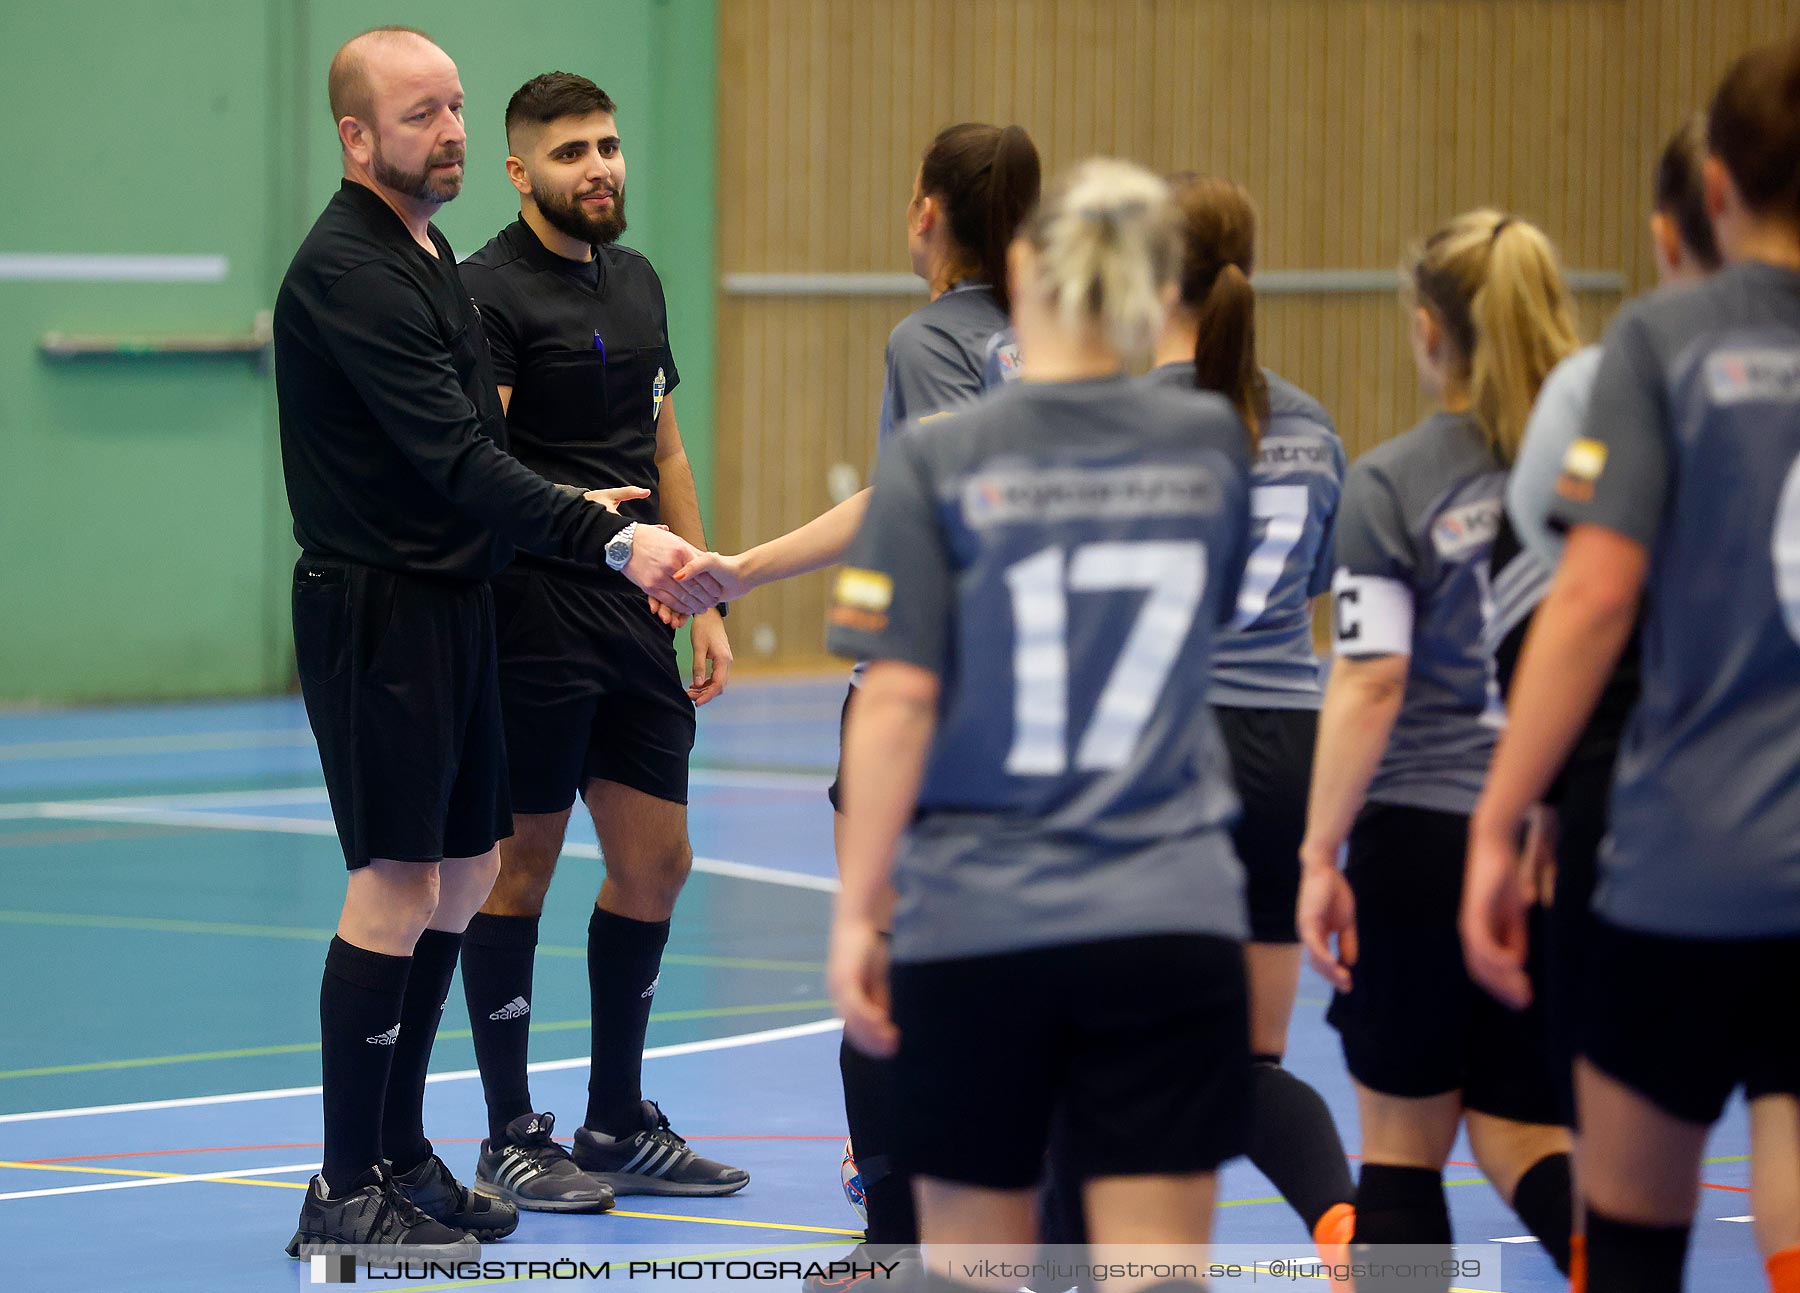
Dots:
pixel 590 690
pixel 1271 765
pixel 398 673
pixel 1414 1023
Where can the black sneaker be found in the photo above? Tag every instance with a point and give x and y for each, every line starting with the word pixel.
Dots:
pixel 531 1171
pixel 654 1161
pixel 440 1195
pixel 374 1214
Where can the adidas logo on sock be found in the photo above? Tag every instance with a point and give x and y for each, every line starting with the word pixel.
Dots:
pixel 388 1038
pixel 650 991
pixel 517 1008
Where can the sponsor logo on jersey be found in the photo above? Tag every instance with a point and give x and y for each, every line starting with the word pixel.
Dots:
pixel 1761 376
pixel 862 597
pixel 1291 451
pixel 1582 465
pixel 1465 530
pixel 1010 363
pixel 1009 495
pixel 657 388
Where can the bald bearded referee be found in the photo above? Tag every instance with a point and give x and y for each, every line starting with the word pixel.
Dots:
pixel 405 502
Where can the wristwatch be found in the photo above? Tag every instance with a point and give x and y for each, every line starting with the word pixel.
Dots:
pixel 618 548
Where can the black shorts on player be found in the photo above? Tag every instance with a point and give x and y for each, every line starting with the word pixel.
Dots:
pixel 1139 1046
pixel 1413 1023
pixel 590 689
pixel 1681 1021
pixel 1271 766
pixel 834 792
pixel 398 673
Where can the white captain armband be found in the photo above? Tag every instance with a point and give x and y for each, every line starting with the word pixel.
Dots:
pixel 1370 615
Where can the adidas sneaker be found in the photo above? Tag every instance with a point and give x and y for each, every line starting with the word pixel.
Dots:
pixel 531 1171
pixel 653 1160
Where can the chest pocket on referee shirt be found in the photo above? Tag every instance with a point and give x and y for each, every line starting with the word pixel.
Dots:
pixel 591 397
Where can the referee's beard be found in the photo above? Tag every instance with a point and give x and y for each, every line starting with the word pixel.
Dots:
pixel 565 215
pixel 425 184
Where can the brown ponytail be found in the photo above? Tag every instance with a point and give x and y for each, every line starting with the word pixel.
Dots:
pixel 987 179
pixel 1218 254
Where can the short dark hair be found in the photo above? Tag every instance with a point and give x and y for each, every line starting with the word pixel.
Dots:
pixel 1754 128
pixel 1681 194
pixel 546 98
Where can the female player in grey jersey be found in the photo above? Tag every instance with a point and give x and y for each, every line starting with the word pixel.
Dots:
pixel 975 183
pixel 1405 732
pixel 1683 495
pixel 1265 676
pixel 1038 586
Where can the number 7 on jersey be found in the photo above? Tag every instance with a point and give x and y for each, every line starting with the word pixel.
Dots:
pixel 1174 576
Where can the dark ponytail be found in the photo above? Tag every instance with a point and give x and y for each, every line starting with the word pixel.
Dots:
pixel 1218 254
pixel 1680 190
pixel 987 180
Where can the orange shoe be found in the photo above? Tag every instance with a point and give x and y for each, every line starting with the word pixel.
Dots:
pixel 1332 1235
pixel 1784 1271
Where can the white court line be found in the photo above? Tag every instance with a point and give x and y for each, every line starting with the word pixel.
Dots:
pixel 145 1182
pixel 142 813
pixel 541 1066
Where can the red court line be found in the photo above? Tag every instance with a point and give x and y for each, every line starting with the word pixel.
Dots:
pixel 233 1149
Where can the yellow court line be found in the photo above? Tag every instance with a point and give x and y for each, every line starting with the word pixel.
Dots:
pixel 298 1185
pixel 161 1176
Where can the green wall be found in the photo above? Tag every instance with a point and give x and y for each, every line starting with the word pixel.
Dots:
pixel 144 534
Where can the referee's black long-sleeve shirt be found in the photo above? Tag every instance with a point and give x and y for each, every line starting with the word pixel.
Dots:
pixel 392 436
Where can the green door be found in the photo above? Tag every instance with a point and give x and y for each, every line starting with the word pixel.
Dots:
pixel 135 490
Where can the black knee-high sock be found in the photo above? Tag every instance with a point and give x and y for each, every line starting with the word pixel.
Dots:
pixel 624 963
pixel 1626 1258
pixel 1545 1201
pixel 1294 1142
pixel 497 957
pixel 403 1118
pixel 1402 1205
pixel 869 1108
pixel 359 1011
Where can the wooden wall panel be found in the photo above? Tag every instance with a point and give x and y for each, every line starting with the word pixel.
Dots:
pixel 1358 125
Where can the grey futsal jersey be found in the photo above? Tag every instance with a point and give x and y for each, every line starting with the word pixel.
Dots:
pixel 1001 363
pixel 936 355
pixel 1692 448
pixel 1265 659
pixel 1420 513
pixel 1060 555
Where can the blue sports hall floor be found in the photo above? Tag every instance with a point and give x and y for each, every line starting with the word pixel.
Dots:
pixel 169 879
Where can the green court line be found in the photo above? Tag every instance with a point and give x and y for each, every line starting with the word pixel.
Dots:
pixel 161 925
pixel 300 1048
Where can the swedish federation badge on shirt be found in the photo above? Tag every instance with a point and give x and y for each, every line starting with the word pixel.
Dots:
pixel 657 388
